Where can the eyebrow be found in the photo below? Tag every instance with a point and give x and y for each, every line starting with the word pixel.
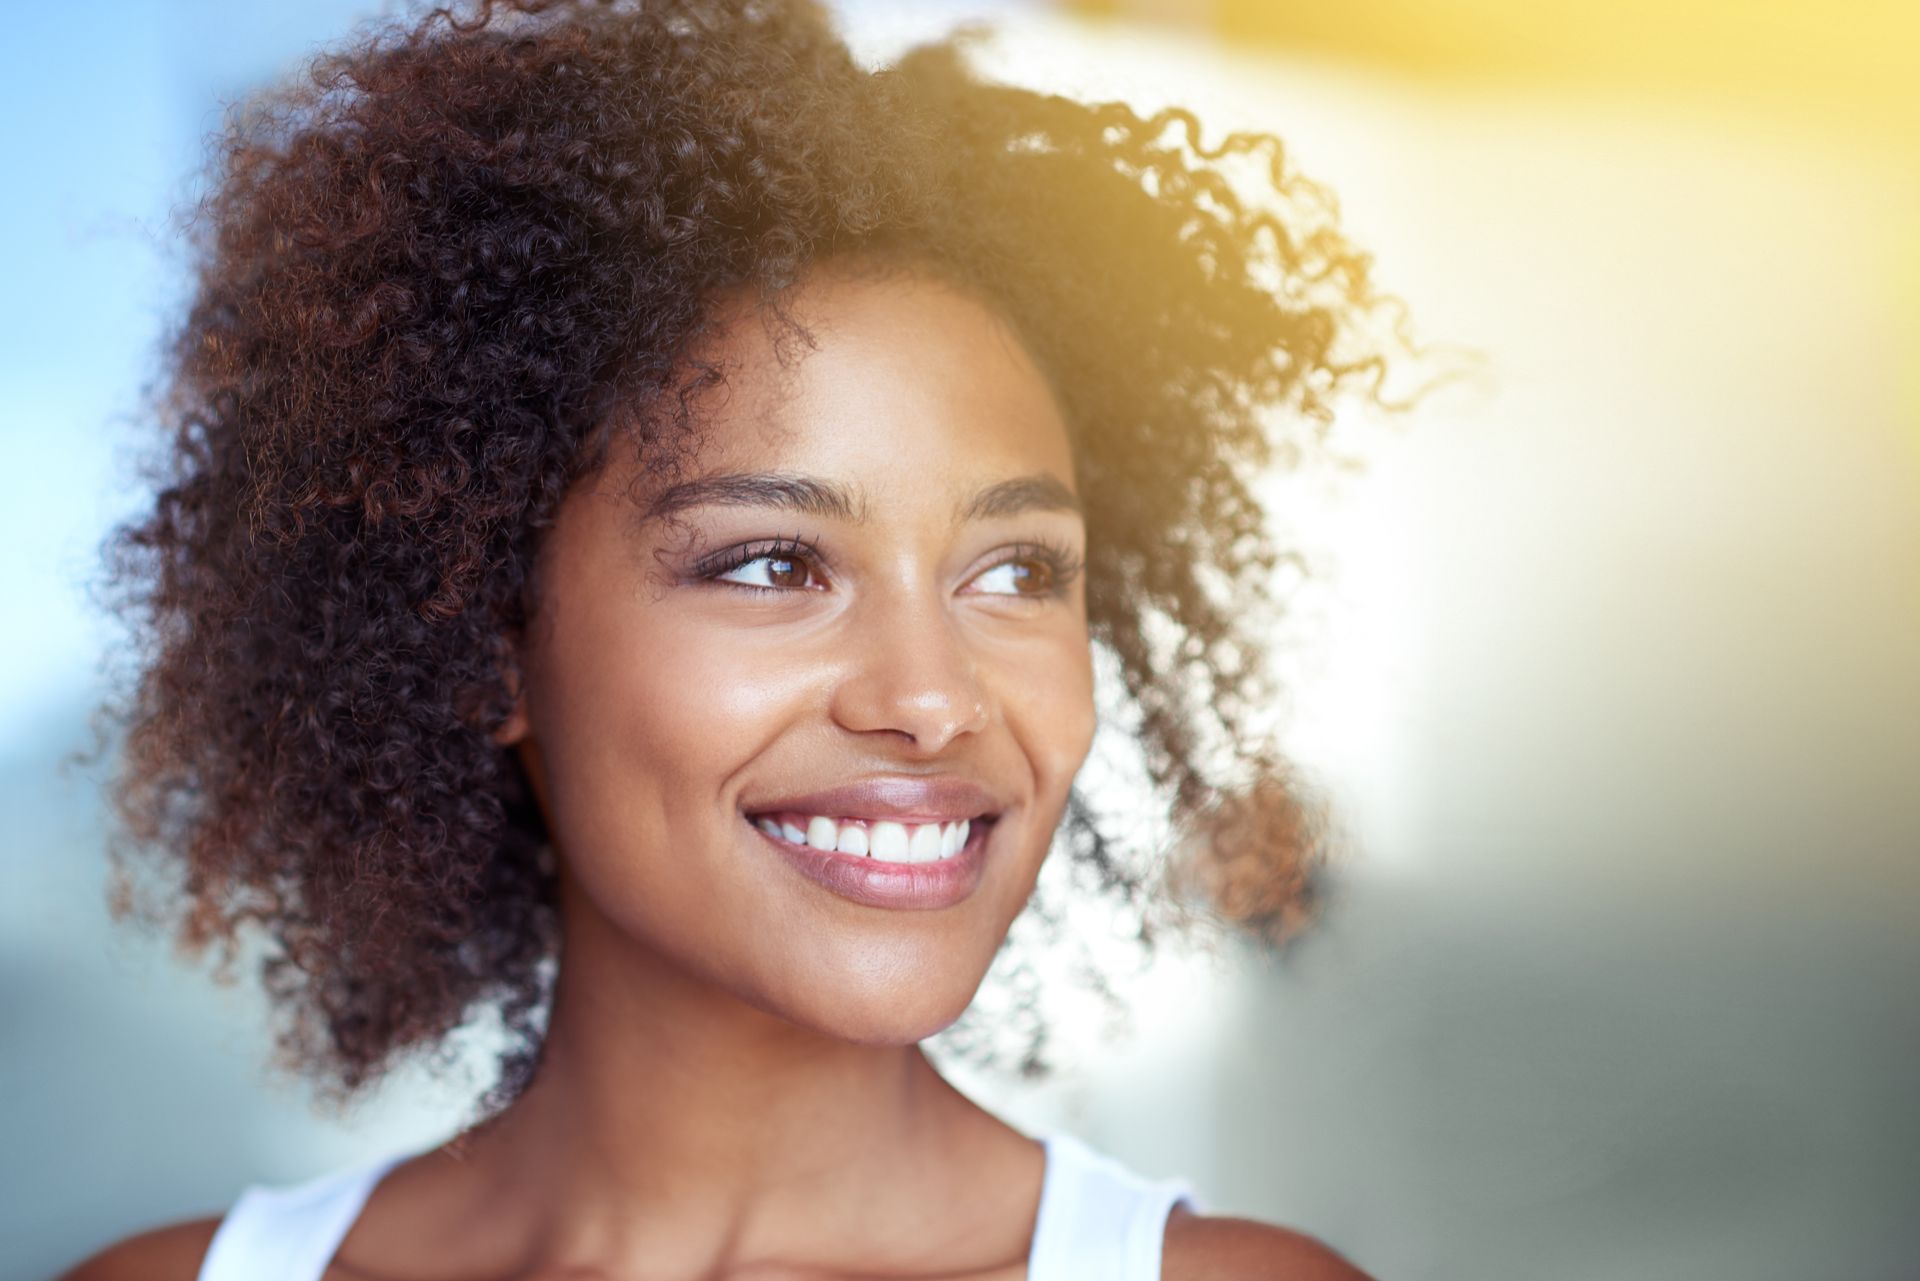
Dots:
pixel 830 500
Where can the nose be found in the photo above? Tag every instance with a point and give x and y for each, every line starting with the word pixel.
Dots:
pixel 909 670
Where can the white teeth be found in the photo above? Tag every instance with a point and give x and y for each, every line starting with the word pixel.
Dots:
pixel 888 840
pixel 884 839
pixel 926 843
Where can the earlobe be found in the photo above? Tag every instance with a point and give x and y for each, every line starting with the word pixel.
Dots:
pixel 515 726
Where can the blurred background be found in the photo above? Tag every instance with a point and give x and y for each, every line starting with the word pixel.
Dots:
pixel 1610 656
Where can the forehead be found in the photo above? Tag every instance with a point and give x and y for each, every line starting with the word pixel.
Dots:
pixel 889 369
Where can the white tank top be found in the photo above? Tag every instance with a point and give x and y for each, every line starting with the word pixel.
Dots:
pixel 1097 1218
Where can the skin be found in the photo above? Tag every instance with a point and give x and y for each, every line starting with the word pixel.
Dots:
pixel 732 1046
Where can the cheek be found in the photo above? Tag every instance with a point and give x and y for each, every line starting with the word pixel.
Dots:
pixel 1049 702
pixel 641 719
pixel 643 727
pixel 705 696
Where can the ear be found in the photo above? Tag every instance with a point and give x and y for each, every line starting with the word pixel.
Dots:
pixel 515 727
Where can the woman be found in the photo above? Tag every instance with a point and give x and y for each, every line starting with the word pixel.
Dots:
pixel 646 497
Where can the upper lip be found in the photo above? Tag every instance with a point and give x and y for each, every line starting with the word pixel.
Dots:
pixel 940 798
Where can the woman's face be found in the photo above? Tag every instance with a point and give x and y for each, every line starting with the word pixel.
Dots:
pixel 865 583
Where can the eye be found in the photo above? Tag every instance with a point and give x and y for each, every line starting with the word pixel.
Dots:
pixel 1035 572
pixel 781 567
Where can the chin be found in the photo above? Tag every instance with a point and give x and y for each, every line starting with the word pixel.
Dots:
pixel 884 1014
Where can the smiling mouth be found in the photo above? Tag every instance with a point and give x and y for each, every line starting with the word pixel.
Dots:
pixel 878 875
pixel 881 840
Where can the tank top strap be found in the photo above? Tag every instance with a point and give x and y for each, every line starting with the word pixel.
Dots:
pixel 290 1233
pixel 1098 1218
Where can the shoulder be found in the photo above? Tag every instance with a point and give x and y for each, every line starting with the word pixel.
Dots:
pixel 171 1253
pixel 1207 1247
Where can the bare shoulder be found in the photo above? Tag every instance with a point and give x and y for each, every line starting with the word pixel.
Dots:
pixel 1208 1247
pixel 170 1253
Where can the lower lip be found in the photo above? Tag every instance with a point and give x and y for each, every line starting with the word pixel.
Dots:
pixel 876 883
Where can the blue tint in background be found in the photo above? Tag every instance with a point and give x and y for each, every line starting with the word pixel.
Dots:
pixel 1620 683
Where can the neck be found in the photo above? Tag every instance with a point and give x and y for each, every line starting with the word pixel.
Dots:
pixel 747 1139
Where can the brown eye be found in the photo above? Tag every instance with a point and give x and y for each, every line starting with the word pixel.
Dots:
pixel 781 572
pixel 1037 580
pixel 786 571
pixel 776 569
pixel 1025 575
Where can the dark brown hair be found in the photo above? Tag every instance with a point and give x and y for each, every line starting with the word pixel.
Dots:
pixel 435 267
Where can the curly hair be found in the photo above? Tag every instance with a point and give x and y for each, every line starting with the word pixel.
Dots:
pixel 431 272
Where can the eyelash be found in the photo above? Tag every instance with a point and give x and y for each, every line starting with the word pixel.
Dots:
pixel 1061 562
